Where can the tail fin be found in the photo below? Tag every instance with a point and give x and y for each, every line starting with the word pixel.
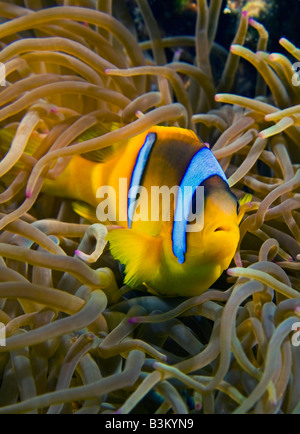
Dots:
pixel 7 135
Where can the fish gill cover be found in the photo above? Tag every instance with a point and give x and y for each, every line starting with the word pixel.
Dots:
pixel 73 338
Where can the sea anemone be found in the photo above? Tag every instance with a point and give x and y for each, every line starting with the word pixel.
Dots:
pixel 76 339
pixel 255 8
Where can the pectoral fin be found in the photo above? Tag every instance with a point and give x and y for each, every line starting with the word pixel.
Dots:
pixel 140 253
pixel 244 203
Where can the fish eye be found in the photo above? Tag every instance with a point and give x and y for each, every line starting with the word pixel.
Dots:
pixel 237 207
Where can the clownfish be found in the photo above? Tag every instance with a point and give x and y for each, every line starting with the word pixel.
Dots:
pixel 167 254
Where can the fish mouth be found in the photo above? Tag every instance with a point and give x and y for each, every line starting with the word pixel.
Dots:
pixel 223 228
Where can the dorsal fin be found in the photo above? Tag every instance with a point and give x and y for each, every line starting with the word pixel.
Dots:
pixel 99 155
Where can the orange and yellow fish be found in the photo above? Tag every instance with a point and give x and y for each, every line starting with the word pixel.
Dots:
pixel 167 254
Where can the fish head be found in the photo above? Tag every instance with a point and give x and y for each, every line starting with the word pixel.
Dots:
pixel 211 242
pixel 216 234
